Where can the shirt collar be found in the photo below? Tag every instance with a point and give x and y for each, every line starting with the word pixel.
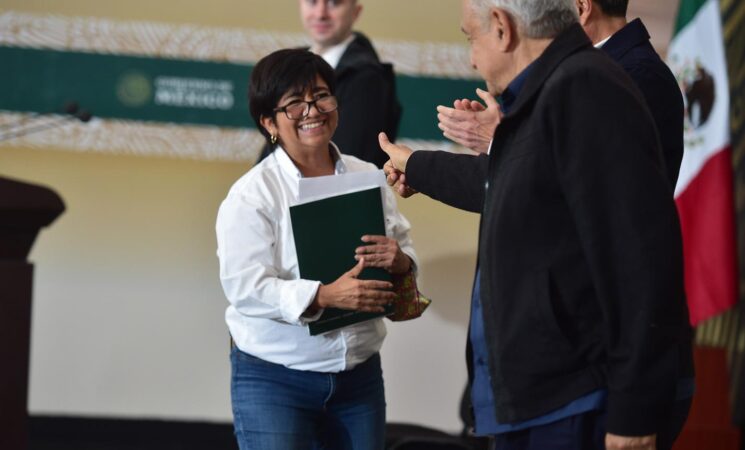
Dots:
pixel 603 42
pixel 627 38
pixel 508 97
pixel 333 55
pixel 287 166
pixel 568 42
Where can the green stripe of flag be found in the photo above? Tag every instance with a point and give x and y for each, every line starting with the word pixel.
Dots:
pixel 686 12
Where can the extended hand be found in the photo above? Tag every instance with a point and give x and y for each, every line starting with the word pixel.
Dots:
pixel 615 442
pixel 469 123
pixel 383 252
pixel 397 180
pixel 398 154
pixel 347 292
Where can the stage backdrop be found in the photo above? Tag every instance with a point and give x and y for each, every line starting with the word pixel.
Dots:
pixel 128 311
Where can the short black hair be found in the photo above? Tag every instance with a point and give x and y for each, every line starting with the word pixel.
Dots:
pixel 278 73
pixel 613 8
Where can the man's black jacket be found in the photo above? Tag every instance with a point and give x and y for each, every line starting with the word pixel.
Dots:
pixel 579 246
pixel 630 47
pixel 366 89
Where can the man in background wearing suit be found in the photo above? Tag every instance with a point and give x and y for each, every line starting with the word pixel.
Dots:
pixel 366 88
pixel 579 328
pixel 628 44
pixel 625 42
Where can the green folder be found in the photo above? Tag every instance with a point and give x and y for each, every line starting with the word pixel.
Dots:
pixel 326 234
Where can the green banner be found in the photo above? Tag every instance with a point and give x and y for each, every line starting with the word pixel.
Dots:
pixel 177 91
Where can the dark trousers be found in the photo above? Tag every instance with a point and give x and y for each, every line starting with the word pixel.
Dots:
pixel 583 432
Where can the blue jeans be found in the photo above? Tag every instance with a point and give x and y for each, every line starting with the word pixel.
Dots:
pixel 276 408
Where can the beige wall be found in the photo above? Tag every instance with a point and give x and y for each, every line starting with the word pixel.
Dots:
pixel 127 311
pixel 417 20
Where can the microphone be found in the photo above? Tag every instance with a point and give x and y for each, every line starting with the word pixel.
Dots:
pixel 19 129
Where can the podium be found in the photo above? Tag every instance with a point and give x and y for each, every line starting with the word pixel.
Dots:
pixel 24 210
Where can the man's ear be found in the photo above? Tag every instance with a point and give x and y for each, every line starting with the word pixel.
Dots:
pixel 269 125
pixel 357 11
pixel 584 7
pixel 504 28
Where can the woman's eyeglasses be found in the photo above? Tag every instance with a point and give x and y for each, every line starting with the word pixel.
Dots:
pixel 299 109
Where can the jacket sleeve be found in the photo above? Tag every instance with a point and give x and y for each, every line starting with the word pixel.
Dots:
pixel 455 179
pixel 665 102
pixel 363 103
pixel 618 196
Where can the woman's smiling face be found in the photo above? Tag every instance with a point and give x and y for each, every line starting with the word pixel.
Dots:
pixel 311 133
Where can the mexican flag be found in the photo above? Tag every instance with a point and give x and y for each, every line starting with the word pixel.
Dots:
pixel 704 193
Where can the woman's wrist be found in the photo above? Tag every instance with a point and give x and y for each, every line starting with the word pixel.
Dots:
pixel 317 304
pixel 404 264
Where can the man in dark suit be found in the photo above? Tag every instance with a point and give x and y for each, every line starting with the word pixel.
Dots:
pixel 366 88
pixel 579 328
pixel 627 43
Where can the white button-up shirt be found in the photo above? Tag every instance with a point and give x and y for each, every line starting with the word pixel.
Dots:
pixel 333 55
pixel 260 276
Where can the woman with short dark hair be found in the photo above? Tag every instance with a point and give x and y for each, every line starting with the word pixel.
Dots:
pixel 291 390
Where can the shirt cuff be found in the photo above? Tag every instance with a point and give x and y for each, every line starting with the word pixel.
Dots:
pixel 305 320
pixel 295 300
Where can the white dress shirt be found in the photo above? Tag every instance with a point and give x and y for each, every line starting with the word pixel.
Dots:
pixel 259 271
pixel 333 54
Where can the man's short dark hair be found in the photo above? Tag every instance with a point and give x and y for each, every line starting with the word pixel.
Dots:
pixel 613 8
pixel 288 70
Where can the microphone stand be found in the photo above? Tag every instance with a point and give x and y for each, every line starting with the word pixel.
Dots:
pixel 16 129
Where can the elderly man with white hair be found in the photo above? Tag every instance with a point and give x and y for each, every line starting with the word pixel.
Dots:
pixel 579 327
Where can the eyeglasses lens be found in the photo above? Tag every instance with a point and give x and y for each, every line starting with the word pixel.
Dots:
pixel 302 109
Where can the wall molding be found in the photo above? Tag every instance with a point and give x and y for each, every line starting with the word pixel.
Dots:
pixel 237 45
pixel 193 43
